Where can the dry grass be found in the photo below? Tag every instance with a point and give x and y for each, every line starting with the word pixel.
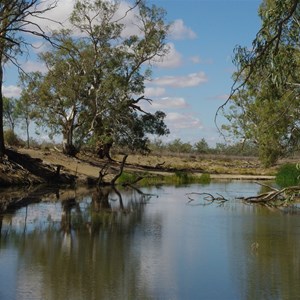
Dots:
pixel 86 165
pixel 204 163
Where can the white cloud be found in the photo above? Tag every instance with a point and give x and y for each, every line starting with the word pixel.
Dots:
pixel 169 102
pixel 58 17
pixel 55 18
pixel 173 59
pixel 191 80
pixel 182 121
pixel 40 46
pixel 198 60
pixel 195 59
pixel 223 97
pixel 126 15
pixel 11 91
pixel 154 92
pixel 33 66
pixel 179 31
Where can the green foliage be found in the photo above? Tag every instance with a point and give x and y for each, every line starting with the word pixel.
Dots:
pixel 288 175
pixel 265 99
pixel 16 24
pixel 127 178
pixel 10 112
pixel 246 148
pixel 180 177
pixel 94 85
pixel 201 146
pixel 180 147
pixel 204 178
pixel 12 139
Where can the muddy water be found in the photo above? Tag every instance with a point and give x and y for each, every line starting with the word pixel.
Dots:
pixel 157 245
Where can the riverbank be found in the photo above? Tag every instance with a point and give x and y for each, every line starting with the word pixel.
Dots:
pixel 33 166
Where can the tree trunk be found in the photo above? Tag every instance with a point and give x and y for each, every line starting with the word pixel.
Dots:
pixel 2 145
pixel 103 150
pixel 27 133
pixel 68 147
pixel 3 33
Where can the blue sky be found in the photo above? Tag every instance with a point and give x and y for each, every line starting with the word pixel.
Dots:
pixel 211 30
pixel 195 77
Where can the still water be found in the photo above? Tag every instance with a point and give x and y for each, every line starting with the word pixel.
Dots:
pixel 157 245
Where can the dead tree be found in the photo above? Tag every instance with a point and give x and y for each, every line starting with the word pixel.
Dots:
pixel 275 197
pixel 105 171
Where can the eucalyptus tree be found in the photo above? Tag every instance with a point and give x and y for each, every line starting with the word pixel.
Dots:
pixel 119 68
pixel 10 112
pixel 17 19
pixel 26 105
pixel 94 87
pixel 58 95
pixel 265 96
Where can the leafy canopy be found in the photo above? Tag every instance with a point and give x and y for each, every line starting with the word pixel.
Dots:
pixel 264 101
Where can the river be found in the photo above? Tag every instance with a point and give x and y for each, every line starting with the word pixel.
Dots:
pixel 157 244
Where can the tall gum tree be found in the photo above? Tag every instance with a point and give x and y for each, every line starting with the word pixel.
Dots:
pixel 104 69
pixel 122 66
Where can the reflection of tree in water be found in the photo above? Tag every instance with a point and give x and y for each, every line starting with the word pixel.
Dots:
pixel 91 254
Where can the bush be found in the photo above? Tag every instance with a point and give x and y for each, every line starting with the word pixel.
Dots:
pixel 288 175
pixel 204 178
pixel 12 139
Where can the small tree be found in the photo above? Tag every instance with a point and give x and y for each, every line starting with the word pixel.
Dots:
pixel 10 112
pixel 17 17
pixel 201 146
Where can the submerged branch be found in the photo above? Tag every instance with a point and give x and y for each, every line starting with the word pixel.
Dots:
pixel 207 197
pixel 275 197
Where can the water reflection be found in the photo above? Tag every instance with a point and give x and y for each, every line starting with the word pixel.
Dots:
pixel 110 244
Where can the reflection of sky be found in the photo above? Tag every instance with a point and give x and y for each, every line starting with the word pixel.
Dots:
pixel 8 269
pixel 192 252
pixel 173 250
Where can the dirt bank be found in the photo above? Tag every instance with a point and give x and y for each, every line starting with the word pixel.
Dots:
pixel 32 166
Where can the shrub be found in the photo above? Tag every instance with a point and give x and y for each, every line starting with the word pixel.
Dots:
pixel 288 175
pixel 127 178
pixel 12 139
pixel 204 178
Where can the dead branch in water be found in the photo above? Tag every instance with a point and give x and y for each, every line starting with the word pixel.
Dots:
pixel 207 197
pixel 275 197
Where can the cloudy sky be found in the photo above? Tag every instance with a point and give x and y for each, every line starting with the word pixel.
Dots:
pixel 195 78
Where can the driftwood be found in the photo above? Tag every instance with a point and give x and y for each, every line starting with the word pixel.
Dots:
pixel 275 197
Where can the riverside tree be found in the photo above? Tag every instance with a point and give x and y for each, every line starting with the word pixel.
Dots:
pixel 17 19
pixel 10 113
pixel 94 87
pixel 265 97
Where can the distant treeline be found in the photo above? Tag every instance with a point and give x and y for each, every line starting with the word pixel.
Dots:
pixel 202 147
